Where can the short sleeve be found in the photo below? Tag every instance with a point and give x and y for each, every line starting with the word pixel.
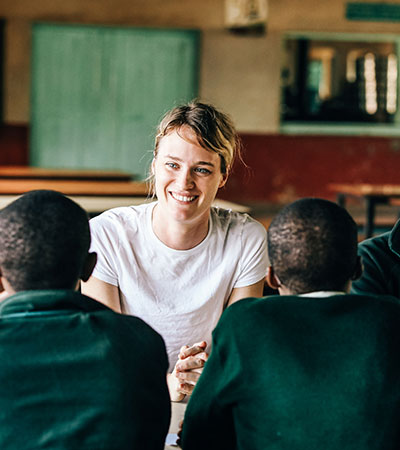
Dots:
pixel 104 235
pixel 254 257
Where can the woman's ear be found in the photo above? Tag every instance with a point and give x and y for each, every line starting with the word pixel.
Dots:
pixel 272 279
pixel 88 266
pixel 152 167
pixel 358 270
pixel 224 179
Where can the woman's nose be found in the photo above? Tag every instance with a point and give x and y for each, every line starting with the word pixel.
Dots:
pixel 185 179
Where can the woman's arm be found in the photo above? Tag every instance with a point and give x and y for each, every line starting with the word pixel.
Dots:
pixel 103 292
pixel 254 290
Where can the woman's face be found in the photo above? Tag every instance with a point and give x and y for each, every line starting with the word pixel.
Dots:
pixel 187 177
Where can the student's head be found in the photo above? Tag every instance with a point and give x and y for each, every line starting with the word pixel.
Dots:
pixel 44 243
pixel 212 129
pixel 312 246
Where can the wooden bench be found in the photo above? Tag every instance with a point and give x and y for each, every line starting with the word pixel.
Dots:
pixel 27 172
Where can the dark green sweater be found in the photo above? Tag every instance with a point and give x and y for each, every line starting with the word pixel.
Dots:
pixel 298 373
pixel 381 260
pixel 75 375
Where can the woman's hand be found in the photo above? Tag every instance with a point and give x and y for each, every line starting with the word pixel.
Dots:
pixel 187 370
pixel 190 366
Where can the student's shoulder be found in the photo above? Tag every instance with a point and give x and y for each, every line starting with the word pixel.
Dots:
pixel 245 320
pixel 379 301
pixel 375 244
pixel 132 328
pixel 380 258
pixel 130 341
pixel 252 307
pixel 377 311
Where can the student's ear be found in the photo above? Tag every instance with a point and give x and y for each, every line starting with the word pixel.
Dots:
pixel 2 281
pixel 88 266
pixel 272 279
pixel 358 270
pixel 5 288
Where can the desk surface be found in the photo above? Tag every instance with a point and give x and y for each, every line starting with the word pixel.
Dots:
pixel 373 194
pixel 75 187
pixel 27 172
pixel 93 195
pixel 177 414
pixel 366 189
pixel 98 204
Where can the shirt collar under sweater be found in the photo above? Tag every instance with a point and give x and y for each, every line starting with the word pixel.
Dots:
pixel 322 294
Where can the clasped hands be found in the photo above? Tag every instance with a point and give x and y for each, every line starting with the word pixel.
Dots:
pixel 187 370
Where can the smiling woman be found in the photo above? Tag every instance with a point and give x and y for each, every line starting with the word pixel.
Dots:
pixel 178 262
pixel 187 178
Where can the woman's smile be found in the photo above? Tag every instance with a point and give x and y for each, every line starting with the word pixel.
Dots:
pixel 183 198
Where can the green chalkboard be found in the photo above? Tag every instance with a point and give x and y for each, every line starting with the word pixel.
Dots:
pixel 99 92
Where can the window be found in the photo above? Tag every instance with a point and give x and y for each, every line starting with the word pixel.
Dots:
pixel 340 80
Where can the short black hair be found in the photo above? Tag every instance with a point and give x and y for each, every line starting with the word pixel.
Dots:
pixel 312 246
pixel 44 241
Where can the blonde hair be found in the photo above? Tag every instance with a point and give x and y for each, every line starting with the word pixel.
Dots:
pixel 214 130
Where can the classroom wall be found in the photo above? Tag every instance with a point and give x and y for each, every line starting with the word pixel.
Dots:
pixel 150 13
pixel 284 168
pixel 240 74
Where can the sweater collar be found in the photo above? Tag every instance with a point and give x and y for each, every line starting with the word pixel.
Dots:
pixel 48 300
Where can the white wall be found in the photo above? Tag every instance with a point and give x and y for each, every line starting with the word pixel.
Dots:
pixel 240 74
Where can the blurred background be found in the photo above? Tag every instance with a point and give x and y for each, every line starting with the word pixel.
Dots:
pixel 312 86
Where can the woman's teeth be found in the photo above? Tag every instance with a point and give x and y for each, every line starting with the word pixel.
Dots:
pixel 183 198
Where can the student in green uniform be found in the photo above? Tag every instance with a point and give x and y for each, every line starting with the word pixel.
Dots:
pixel 74 374
pixel 381 264
pixel 315 368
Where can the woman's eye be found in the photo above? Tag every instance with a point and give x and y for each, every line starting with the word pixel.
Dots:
pixel 203 170
pixel 172 165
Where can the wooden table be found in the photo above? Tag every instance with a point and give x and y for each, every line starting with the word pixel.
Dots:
pixel 41 173
pixel 94 196
pixel 75 187
pixel 94 190
pixel 373 194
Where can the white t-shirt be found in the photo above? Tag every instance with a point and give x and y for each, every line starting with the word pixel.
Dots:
pixel 180 293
